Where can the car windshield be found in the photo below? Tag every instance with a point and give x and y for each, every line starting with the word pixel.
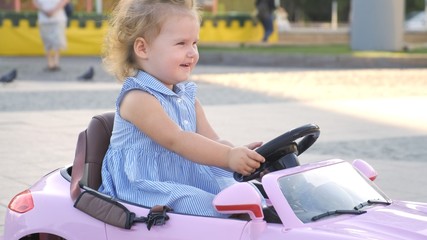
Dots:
pixel 328 189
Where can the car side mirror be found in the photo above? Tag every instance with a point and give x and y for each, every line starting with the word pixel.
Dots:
pixel 240 198
pixel 365 168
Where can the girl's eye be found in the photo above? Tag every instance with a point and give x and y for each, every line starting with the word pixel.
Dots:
pixel 181 43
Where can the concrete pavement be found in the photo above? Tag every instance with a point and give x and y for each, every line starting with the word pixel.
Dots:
pixel 42 113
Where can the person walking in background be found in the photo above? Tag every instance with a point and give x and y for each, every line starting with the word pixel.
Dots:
pixel 52 22
pixel 265 10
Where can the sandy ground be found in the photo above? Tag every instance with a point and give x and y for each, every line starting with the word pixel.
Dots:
pixel 379 115
pixel 313 85
pixel 348 91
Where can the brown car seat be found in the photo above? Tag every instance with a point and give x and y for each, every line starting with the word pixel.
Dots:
pixel 92 144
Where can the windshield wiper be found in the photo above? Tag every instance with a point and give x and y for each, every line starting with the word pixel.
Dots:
pixel 330 213
pixel 370 202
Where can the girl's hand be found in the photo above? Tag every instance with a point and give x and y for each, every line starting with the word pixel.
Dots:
pixel 49 13
pixel 244 160
pixel 253 145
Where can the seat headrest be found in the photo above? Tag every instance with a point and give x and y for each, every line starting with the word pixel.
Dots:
pixel 92 145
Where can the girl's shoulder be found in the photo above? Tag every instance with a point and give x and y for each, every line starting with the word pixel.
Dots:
pixel 131 83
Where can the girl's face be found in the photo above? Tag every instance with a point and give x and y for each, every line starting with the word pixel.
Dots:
pixel 173 54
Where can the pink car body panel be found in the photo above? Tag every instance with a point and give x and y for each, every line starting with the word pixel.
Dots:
pixel 54 213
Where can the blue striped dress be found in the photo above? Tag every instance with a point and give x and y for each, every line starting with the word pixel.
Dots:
pixel 137 169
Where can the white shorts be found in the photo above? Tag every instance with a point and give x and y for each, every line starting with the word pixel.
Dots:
pixel 53 35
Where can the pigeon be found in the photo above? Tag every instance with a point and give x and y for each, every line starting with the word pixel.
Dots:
pixel 88 75
pixel 9 77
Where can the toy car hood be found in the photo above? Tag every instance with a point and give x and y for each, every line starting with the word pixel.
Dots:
pixel 389 220
pixel 381 223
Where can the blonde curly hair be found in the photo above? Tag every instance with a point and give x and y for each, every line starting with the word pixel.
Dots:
pixel 131 19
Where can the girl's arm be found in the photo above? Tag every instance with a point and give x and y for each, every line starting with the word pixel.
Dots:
pixel 151 119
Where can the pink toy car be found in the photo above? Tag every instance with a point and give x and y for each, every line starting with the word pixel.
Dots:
pixel 327 200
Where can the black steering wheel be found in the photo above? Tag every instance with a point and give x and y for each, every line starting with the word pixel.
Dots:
pixel 281 146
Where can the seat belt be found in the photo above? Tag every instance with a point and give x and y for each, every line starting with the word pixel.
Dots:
pixel 108 210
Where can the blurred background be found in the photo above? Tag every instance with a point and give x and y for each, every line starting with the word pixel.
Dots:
pixel 381 25
pixel 356 67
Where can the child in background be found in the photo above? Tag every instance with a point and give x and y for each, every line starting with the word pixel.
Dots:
pixel 163 151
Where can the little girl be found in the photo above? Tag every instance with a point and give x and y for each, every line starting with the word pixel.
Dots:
pixel 163 150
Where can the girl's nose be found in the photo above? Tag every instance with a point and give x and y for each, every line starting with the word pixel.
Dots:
pixel 193 52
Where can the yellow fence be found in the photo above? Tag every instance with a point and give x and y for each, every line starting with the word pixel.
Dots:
pixel 25 40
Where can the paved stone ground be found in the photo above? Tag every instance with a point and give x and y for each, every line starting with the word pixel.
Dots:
pixel 377 115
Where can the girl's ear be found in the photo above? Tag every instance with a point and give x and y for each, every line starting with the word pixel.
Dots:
pixel 140 47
